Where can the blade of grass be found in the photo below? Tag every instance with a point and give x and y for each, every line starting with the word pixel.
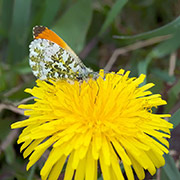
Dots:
pixel 3 84
pixel 161 50
pixel 164 30
pixel 163 75
pixel 74 24
pixel 6 17
pixel 18 30
pixel 51 10
pixel 115 10
pixel 168 46
pixel 169 171
pixel 32 172
pixel 175 120
pixel 172 99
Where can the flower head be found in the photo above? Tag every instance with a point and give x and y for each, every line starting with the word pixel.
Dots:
pixel 106 122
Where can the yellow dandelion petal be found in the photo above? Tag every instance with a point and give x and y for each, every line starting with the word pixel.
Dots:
pixel 24 136
pixel 55 155
pixel 38 151
pixel 95 126
pixel 80 171
pixel 69 169
pixel 157 160
pixel 129 172
pixel 104 168
pixel 87 138
pixel 105 151
pixel 95 150
pixel 90 166
pixel 31 147
pixel 25 144
pixel 121 152
pixel 56 170
pixel 76 159
pixel 82 151
pixel 147 163
pixel 163 141
pixel 115 165
pixel 138 168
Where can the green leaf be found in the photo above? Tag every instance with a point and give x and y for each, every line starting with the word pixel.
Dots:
pixel 22 67
pixel 161 50
pixel 172 99
pixel 19 30
pixel 175 90
pixel 3 84
pixel 168 46
pixel 51 10
pixel 115 10
pixel 142 67
pixel 163 75
pixel 74 24
pixel 32 172
pixel 175 119
pixel 4 124
pixel 169 28
pixel 159 84
pixel 6 15
pixel 10 154
pixel 170 171
pixel 100 178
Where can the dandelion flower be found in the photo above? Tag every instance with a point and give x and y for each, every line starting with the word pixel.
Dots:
pixel 103 123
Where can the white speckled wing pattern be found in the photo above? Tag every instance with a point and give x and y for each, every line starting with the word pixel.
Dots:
pixel 49 61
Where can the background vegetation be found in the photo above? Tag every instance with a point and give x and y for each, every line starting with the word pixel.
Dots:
pixel 141 36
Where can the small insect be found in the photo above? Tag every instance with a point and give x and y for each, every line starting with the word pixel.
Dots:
pixel 51 58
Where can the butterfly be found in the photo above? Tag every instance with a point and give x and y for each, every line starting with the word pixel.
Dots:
pixel 51 58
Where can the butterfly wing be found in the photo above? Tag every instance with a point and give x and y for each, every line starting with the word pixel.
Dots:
pixel 51 58
pixel 41 32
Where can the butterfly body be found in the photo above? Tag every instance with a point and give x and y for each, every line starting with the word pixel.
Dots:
pixel 51 58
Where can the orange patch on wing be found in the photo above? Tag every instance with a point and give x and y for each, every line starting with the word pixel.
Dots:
pixel 41 32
